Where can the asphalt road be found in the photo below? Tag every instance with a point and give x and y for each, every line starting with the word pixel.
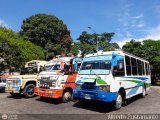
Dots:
pixel 36 108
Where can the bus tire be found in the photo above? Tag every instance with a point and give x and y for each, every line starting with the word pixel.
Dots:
pixel 119 101
pixel 67 96
pixel 143 94
pixel 29 91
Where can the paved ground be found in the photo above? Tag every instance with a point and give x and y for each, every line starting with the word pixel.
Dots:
pixel 9 105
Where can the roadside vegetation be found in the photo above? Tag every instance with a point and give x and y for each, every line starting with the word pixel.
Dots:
pixel 44 36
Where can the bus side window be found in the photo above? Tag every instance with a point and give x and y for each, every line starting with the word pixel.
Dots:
pixel 41 68
pixel 134 66
pixel 140 69
pixel 67 69
pixel 119 70
pixel 147 68
pixel 128 65
pixel 143 70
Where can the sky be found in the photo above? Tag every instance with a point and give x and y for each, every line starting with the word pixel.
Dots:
pixel 128 19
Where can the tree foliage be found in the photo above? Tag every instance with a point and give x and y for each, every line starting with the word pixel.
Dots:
pixel 48 32
pixel 15 51
pixel 87 43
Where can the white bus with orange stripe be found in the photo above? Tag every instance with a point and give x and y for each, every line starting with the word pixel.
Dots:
pixel 58 80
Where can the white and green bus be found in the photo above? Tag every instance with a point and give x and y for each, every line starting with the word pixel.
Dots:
pixel 112 76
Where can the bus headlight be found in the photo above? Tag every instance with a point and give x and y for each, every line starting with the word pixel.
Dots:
pixel 104 88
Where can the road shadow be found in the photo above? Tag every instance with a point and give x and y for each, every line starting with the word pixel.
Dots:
pixel 2 90
pixel 96 106
pixel 102 107
pixel 133 99
pixel 20 96
pixel 49 100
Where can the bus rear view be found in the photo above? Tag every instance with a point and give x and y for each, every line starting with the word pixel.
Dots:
pixel 112 76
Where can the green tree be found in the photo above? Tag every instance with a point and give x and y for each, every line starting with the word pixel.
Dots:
pixel 15 51
pixel 48 32
pixel 147 49
pixel 87 43
pixel 135 48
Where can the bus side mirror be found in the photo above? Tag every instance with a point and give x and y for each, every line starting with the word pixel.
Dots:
pixel 117 63
pixel 119 69
pixel 116 59
pixel 120 65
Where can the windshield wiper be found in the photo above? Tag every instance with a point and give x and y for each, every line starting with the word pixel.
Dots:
pixel 97 76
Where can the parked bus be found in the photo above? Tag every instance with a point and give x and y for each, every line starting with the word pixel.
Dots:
pixel 58 80
pixel 17 84
pixel 112 76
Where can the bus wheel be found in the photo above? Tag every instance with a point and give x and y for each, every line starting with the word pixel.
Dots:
pixel 29 91
pixel 67 96
pixel 143 94
pixel 119 101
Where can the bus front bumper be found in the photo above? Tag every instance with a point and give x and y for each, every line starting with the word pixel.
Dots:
pixel 13 89
pixel 48 92
pixel 97 96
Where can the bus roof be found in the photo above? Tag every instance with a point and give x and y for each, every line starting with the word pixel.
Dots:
pixel 58 60
pixel 117 52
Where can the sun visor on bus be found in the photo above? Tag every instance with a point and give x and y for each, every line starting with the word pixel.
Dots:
pixel 116 58
pixel 88 80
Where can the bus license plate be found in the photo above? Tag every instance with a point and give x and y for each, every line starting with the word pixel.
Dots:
pixel 87 96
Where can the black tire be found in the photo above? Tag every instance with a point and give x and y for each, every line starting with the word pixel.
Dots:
pixel 2 90
pixel 143 94
pixel 15 94
pixel 119 102
pixel 29 91
pixel 67 96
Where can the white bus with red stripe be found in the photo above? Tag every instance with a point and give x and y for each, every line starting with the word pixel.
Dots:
pixel 58 81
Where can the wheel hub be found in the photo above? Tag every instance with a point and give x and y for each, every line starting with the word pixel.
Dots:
pixel 67 95
pixel 119 101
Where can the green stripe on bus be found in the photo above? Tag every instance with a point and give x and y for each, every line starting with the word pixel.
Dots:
pixel 100 81
pixel 134 81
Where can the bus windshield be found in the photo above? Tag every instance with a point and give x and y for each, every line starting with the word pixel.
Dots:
pixel 48 67
pixel 56 67
pixel 52 67
pixel 29 71
pixel 96 65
